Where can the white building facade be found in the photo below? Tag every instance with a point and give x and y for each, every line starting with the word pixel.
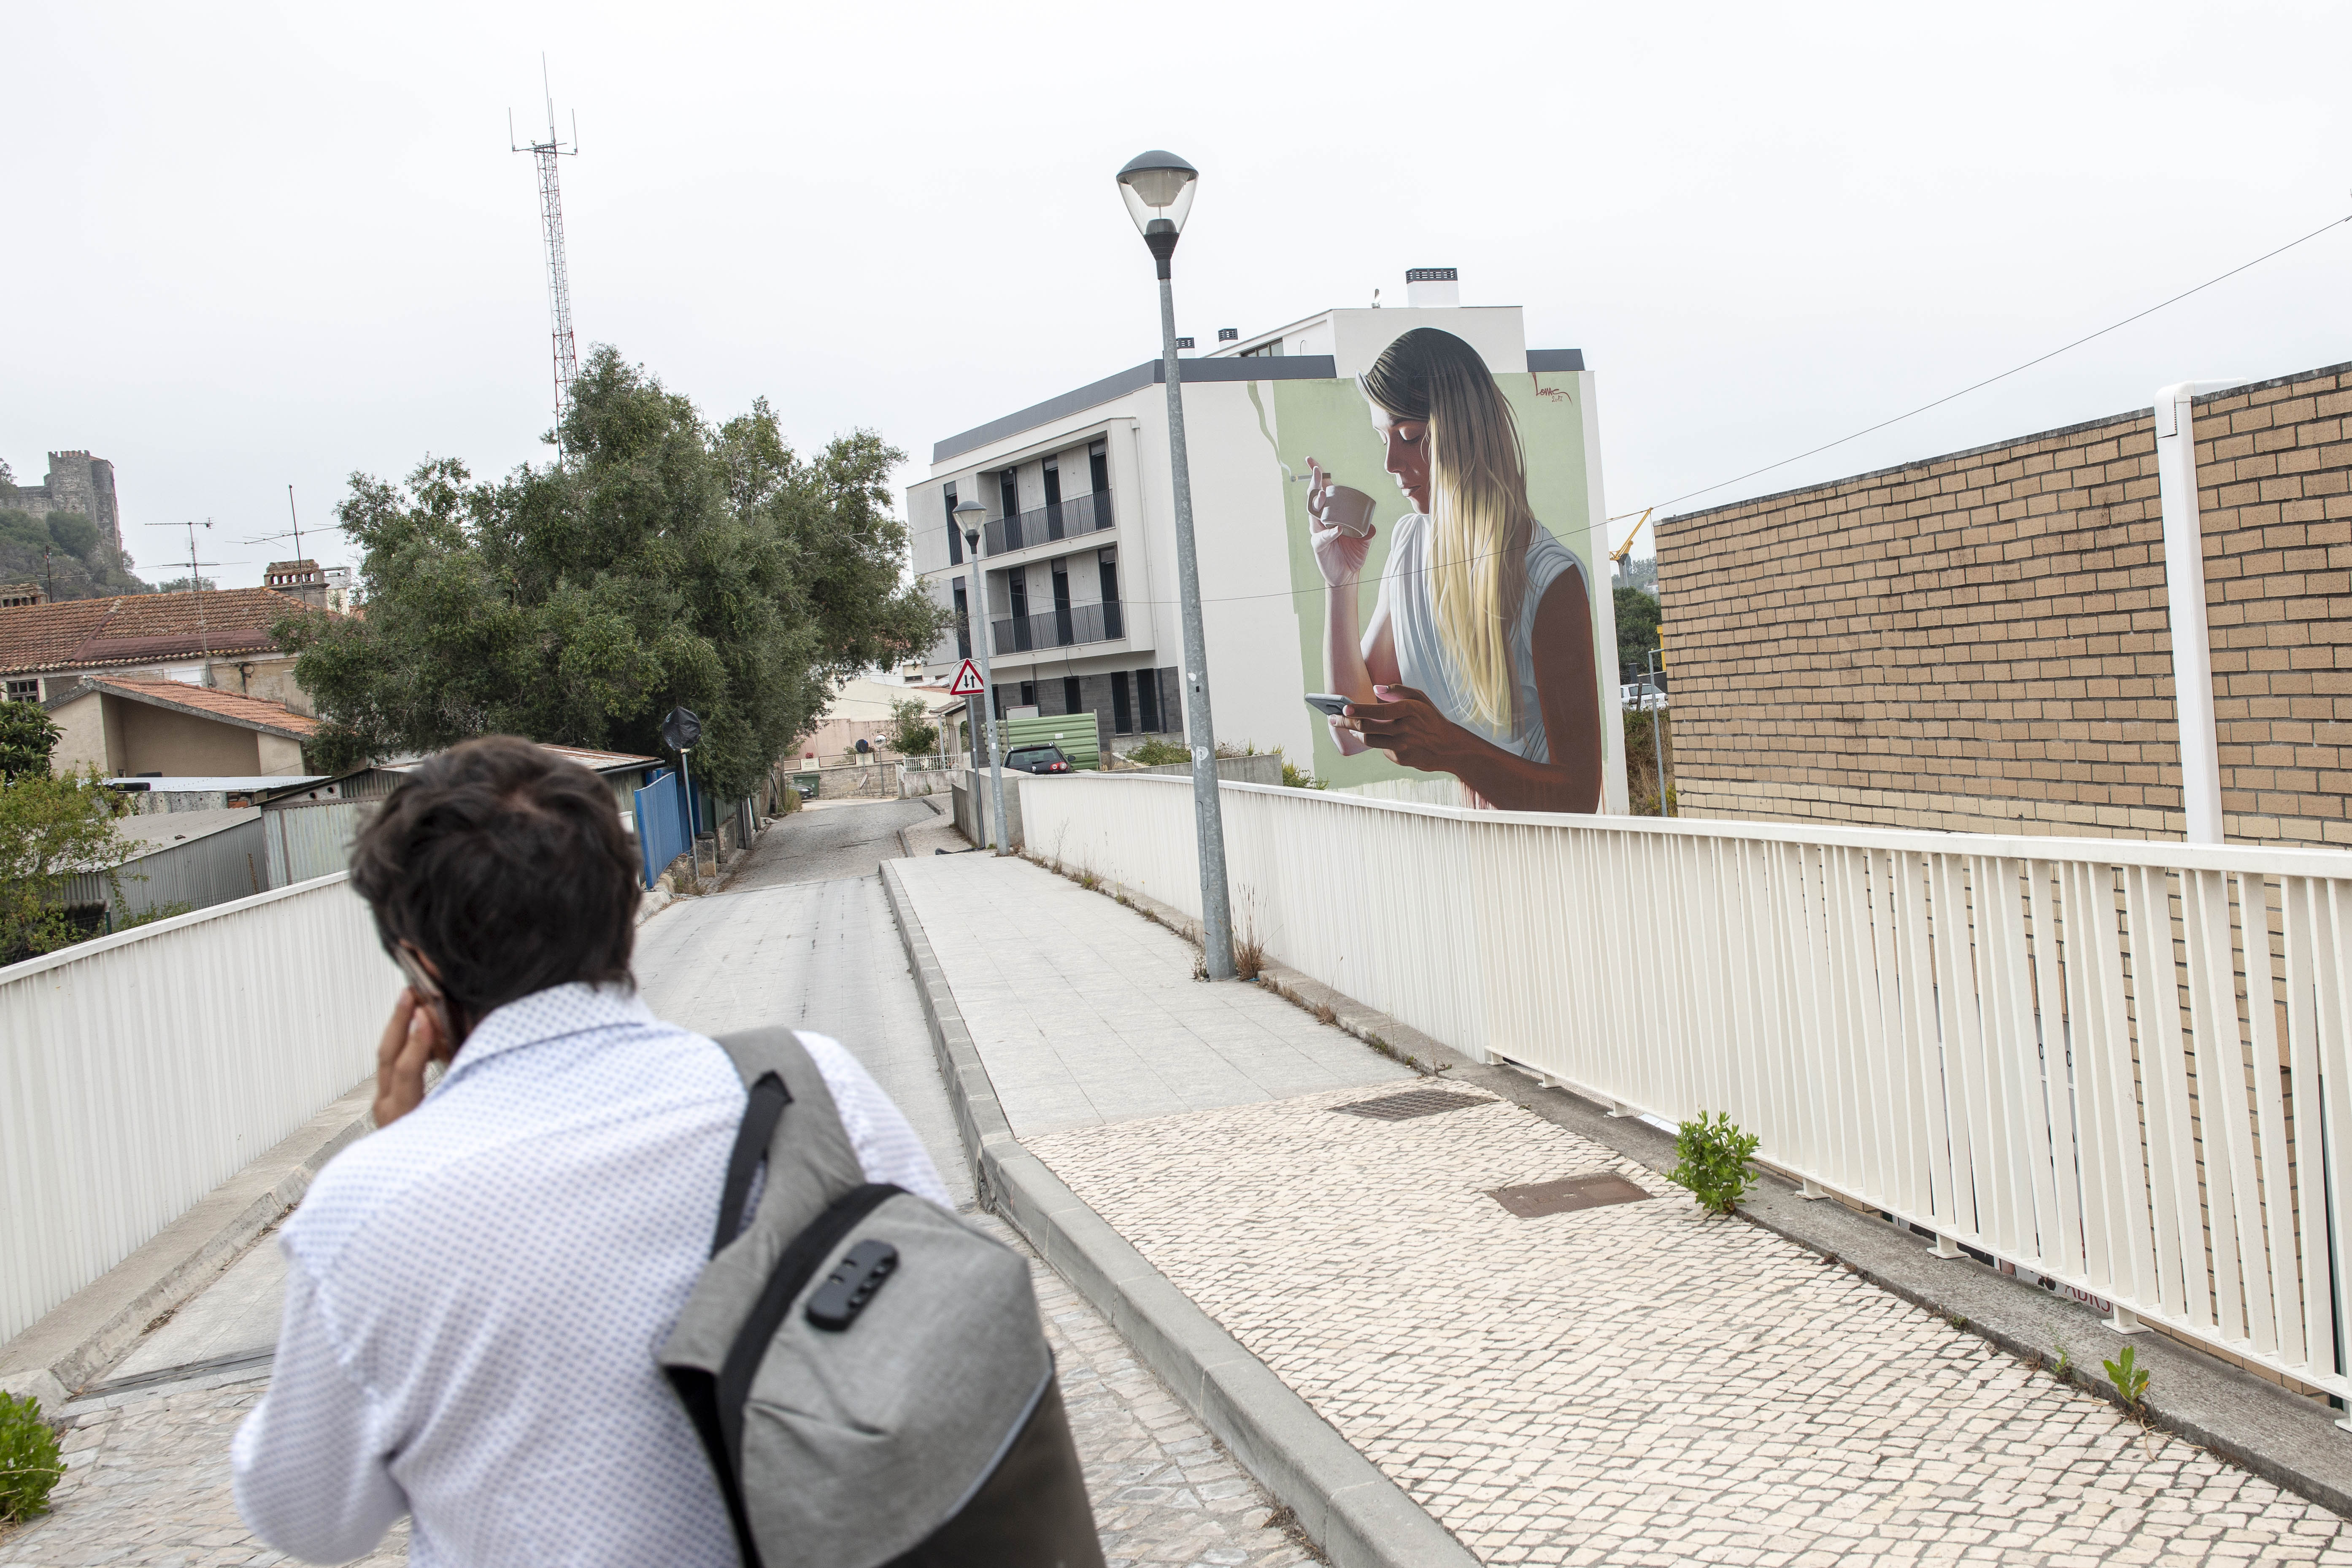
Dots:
pixel 1079 547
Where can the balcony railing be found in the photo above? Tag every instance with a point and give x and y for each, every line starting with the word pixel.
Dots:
pixel 1071 519
pixel 1058 628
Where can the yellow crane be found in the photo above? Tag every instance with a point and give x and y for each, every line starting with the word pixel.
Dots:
pixel 1617 556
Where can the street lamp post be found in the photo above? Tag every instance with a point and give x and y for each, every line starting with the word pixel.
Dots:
pixel 969 516
pixel 1158 188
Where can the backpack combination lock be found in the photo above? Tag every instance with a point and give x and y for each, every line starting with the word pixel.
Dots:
pixel 852 1284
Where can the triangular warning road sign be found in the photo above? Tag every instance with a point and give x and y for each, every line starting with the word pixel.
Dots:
pixel 967 683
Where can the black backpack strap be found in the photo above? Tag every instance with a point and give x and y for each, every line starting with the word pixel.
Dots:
pixel 763 1108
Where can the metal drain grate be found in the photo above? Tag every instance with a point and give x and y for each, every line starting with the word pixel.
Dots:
pixel 1538 1199
pixel 1411 1103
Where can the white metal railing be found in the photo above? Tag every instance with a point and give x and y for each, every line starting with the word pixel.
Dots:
pixel 140 1071
pixel 2040 1048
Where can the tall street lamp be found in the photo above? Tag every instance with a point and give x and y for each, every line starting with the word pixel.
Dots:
pixel 968 517
pixel 1158 188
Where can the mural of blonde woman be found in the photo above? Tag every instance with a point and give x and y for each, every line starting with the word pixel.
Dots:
pixel 1477 661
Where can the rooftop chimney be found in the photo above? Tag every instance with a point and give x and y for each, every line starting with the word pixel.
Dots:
pixel 1428 286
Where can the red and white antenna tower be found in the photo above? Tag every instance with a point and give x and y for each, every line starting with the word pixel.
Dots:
pixel 550 215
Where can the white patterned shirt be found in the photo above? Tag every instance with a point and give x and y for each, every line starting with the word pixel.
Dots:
pixel 475 1295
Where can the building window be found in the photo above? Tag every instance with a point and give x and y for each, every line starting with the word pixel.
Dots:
pixel 1099 466
pixel 1122 717
pixel 955 539
pixel 962 622
pixel 1028 694
pixel 1008 493
pixel 1147 689
pixel 1070 703
pixel 25 691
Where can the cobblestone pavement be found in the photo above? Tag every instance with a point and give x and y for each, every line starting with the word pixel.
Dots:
pixel 1637 1384
pixel 147 1482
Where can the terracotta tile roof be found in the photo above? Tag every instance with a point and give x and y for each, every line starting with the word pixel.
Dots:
pixel 137 628
pixel 248 711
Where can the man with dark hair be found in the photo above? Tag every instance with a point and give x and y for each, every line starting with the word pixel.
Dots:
pixel 476 1292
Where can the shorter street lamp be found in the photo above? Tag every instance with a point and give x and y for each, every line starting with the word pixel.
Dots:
pixel 1158 188
pixel 968 517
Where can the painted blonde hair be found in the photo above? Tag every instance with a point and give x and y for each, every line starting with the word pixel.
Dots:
pixel 1480 522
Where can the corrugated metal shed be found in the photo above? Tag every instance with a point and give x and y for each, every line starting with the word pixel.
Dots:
pixel 308 839
pixel 194 858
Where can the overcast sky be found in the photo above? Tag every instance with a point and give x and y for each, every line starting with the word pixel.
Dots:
pixel 249 247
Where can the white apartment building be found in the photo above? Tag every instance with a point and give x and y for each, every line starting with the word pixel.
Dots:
pixel 1079 546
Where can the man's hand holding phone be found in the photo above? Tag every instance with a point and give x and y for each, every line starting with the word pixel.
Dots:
pixel 416 1037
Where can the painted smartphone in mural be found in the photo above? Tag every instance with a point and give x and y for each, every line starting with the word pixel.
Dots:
pixel 1330 702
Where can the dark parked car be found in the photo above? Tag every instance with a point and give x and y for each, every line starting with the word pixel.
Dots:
pixel 1037 760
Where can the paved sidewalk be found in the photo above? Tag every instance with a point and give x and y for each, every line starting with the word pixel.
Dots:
pixel 1087 1013
pixel 1625 1383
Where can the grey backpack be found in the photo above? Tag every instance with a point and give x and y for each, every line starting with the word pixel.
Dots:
pixel 868 1373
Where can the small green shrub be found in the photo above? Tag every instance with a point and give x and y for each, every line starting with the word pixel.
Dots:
pixel 1154 752
pixel 1714 1162
pixel 2130 1379
pixel 29 1466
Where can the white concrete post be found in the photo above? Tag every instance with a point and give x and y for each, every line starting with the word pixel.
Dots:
pixel 2184 599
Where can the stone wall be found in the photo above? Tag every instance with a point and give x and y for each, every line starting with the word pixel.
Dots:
pixel 1977 642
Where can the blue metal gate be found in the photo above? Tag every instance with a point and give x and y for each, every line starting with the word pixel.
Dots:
pixel 661 834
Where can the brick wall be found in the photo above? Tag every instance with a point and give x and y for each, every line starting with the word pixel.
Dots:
pixel 1977 642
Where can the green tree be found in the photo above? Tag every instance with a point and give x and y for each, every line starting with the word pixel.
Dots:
pixel 1637 625
pixel 27 736
pixel 664 561
pixel 63 553
pixel 914 735
pixel 51 829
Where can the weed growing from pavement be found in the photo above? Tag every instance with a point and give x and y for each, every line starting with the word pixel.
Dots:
pixel 29 1466
pixel 2065 1365
pixel 2130 1379
pixel 1713 1158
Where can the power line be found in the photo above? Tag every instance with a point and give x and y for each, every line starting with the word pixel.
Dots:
pixel 1963 392
pixel 2029 364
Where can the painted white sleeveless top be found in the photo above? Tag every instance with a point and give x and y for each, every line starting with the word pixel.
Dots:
pixel 1422 658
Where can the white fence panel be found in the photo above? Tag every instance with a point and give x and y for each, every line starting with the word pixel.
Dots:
pixel 2112 1062
pixel 140 1071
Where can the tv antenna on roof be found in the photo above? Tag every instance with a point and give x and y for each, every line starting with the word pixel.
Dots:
pixel 195 579
pixel 550 218
pixel 297 534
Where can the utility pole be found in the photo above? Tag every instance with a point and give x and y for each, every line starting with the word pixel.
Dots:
pixel 558 272
pixel 972 516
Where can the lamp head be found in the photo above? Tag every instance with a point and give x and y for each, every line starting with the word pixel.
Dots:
pixel 1158 188
pixel 968 517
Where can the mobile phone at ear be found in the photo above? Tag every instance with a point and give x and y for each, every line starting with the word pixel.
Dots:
pixel 1329 703
pixel 425 988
